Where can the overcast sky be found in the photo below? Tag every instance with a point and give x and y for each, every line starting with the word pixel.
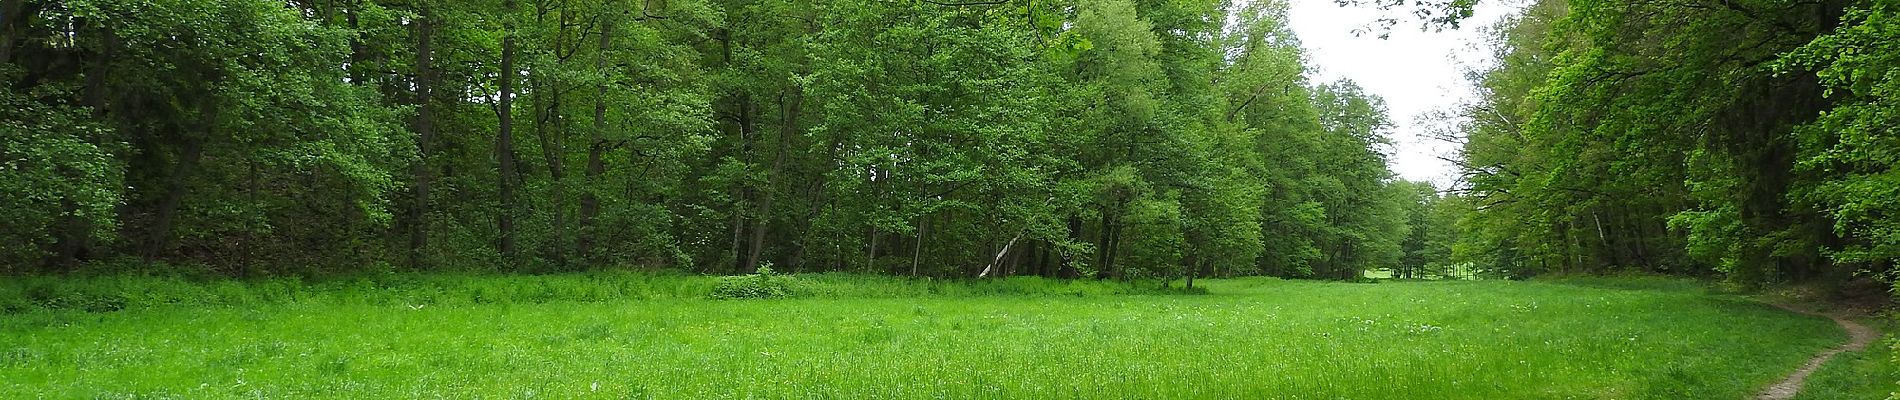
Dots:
pixel 1414 71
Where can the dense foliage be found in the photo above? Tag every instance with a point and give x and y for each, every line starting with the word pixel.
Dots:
pixel 1748 139
pixel 1103 138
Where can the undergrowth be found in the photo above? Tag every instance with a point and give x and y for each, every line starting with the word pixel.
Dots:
pixel 120 292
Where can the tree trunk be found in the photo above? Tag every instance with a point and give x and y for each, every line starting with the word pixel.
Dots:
pixel 357 55
pixel 505 140
pixel 998 259
pixel 788 125
pixel 1193 266
pixel 551 154
pixel 158 239
pixel 97 79
pixel 12 19
pixel 72 237
pixel 1113 252
pixel 1067 269
pixel 1638 237
pixel 1014 264
pixel 746 134
pixel 425 137
pixel 1101 245
pixel 815 197
pixel 597 146
pixel 916 253
pixel 547 113
pixel 871 256
pixel 1042 260
pixel 738 233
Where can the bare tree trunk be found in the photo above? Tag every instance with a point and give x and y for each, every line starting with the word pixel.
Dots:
pixel 425 136
pixel 505 140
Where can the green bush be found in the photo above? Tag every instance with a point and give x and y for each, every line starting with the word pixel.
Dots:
pixel 762 285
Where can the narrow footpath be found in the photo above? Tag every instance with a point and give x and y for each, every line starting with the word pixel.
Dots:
pixel 1859 337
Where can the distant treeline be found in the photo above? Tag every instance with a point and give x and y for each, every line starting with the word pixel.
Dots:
pixel 1104 138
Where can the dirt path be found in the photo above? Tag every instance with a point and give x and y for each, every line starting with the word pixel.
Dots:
pixel 1860 337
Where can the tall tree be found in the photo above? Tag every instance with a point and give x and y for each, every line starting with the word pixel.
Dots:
pixel 504 137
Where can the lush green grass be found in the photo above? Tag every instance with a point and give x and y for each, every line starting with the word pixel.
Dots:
pixel 890 338
pixel 1862 375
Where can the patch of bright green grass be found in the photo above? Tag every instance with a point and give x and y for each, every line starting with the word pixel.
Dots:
pixel 894 338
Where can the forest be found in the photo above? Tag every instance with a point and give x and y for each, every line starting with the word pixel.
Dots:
pixel 205 157
pixel 1749 140
pixel 1101 139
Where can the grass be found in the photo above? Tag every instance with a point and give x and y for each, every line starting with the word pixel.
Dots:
pixel 1861 375
pixel 636 336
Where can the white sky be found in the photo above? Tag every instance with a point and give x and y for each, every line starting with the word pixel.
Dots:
pixel 1415 71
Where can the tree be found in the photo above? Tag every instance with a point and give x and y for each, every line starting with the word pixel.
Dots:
pixel 1606 141
pixel 1123 139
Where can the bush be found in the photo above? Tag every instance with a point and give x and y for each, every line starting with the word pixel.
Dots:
pixel 762 285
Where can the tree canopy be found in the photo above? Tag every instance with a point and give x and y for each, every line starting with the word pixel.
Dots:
pixel 1103 138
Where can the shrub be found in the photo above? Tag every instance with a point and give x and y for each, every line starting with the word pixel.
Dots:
pixel 762 285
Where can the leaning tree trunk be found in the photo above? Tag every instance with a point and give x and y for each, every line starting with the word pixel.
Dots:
pixel 998 259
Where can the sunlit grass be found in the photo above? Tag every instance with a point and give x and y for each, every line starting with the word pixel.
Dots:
pixel 1253 338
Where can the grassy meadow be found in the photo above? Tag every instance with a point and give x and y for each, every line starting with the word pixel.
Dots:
pixel 634 336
